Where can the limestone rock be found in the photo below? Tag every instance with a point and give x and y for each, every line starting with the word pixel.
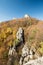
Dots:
pixel 25 56
pixel 26 59
pixel 21 61
pixel 19 34
pixel 25 51
pixel 38 61
pixel 12 55
pixel 11 51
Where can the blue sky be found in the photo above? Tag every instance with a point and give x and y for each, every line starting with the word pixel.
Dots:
pixel 18 8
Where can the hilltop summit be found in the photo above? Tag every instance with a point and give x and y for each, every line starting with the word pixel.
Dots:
pixel 26 16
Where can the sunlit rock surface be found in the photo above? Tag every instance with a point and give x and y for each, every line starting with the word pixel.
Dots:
pixel 20 34
pixel 27 55
pixel 38 61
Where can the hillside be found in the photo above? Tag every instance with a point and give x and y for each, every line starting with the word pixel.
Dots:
pixel 33 33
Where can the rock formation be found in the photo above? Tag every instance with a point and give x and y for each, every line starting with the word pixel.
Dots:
pixel 11 56
pixel 38 61
pixel 27 55
pixel 12 51
pixel 25 52
pixel 20 35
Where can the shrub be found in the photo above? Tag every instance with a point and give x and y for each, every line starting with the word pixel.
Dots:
pixel 16 42
pixel 9 31
pixel 16 62
pixel 5 54
pixel 3 35
pixel 10 43
pixel 41 44
pixel 32 35
pixel 40 49
pixel 27 23
pixel 14 34
pixel 0 43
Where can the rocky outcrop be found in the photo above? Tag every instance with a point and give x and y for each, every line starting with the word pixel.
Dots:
pixel 25 52
pixel 38 61
pixel 20 34
pixel 11 56
pixel 28 54
pixel 12 50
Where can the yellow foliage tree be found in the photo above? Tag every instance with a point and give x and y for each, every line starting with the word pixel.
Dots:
pixel 9 30
pixel 10 43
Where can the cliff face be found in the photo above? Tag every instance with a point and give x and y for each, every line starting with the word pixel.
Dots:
pixel 33 34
